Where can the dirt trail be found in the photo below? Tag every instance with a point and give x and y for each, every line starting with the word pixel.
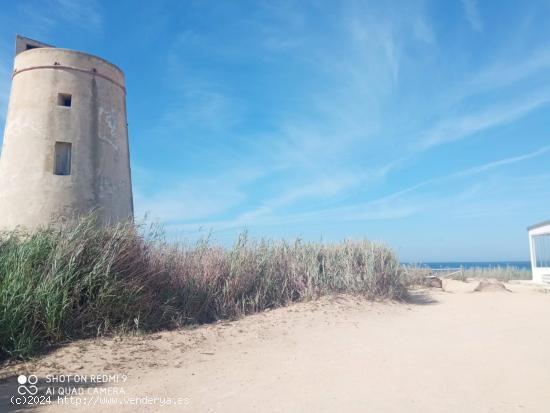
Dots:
pixel 449 351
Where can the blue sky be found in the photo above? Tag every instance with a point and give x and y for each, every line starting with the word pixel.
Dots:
pixel 421 124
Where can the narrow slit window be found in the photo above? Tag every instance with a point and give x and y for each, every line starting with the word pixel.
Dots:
pixel 62 158
pixel 31 46
pixel 64 99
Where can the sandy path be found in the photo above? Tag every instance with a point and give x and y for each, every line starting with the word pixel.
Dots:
pixel 456 351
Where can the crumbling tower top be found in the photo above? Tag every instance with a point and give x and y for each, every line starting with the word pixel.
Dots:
pixel 24 43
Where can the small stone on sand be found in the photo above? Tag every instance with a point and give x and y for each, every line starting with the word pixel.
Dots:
pixel 434 282
pixel 491 286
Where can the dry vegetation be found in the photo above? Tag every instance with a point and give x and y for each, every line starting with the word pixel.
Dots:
pixel 80 280
pixel 416 275
pixel 498 273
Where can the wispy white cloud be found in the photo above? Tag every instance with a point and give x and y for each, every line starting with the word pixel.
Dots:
pixel 503 162
pixel 46 16
pixel 321 187
pixel 325 129
pixel 188 201
pixel 281 26
pixel 459 127
pixel 423 31
pixel 476 170
pixel 352 126
pixel 496 76
pixel 360 70
pixel 81 12
pixel 493 78
pixel 375 38
pixel 472 14
pixel 193 198
pixel 502 74
pixel 397 205
pixel 387 208
pixel 498 203
pixel 207 109
pixel 263 216
pixel 197 101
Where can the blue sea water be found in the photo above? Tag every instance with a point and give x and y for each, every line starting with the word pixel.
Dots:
pixel 483 264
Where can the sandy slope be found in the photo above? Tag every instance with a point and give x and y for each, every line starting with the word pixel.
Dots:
pixel 450 351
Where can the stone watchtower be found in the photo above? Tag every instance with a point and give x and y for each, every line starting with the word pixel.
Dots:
pixel 65 150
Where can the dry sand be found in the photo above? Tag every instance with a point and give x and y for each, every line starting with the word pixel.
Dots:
pixel 451 350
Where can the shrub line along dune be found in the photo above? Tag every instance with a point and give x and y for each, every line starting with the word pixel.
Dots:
pixel 82 280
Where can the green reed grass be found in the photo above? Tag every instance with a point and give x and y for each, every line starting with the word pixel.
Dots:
pixel 83 280
pixel 502 273
pixel 416 276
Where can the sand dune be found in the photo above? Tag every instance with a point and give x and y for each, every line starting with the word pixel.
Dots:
pixel 449 350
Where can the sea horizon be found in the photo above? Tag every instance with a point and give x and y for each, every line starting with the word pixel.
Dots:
pixel 472 264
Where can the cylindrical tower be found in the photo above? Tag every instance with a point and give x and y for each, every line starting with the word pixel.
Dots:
pixel 65 150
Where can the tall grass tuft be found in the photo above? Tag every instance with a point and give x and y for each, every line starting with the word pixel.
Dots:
pixel 501 273
pixel 416 275
pixel 83 280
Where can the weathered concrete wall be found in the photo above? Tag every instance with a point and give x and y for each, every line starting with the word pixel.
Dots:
pixel 31 195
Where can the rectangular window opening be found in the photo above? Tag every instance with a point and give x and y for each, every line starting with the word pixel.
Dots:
pixel 64 99
pixel 31 46
pixel 542 250
pixel 62 158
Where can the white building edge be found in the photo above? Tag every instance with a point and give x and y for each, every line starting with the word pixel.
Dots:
pixel 539 243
